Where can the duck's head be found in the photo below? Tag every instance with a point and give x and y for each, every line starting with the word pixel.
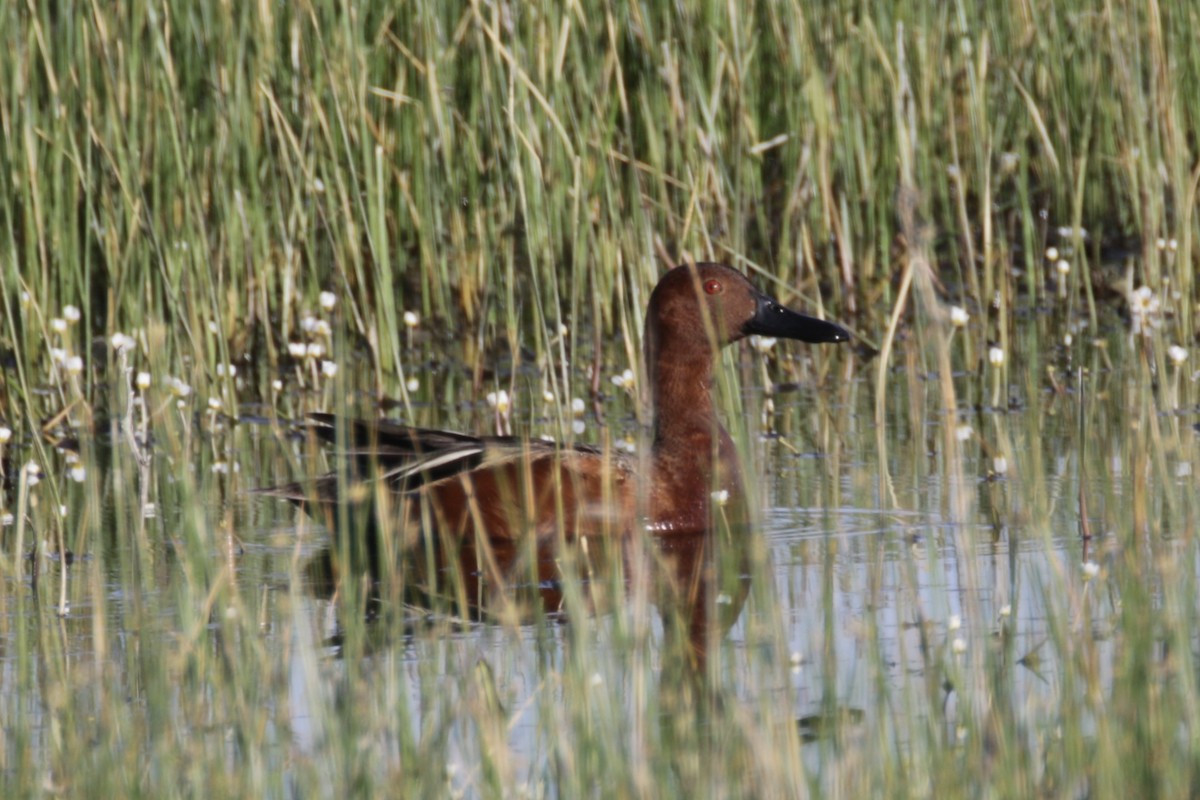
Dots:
pixel 701 305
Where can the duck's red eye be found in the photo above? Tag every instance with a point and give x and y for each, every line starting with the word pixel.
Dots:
pixel 712 286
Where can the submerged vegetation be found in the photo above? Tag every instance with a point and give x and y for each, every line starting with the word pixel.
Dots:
pixel 978 572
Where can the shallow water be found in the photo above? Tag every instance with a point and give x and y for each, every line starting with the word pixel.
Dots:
pixel 878 597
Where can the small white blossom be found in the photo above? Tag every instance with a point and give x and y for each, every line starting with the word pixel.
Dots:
pixel 1000 465
pixel 142 381
pixel 71 313
pixel 1063 266
pixel 58 325
pixel 327 300
pixel 307 323
pixel 954 622
pixel 499 401
pixel 315 350
pixel 78 473
pixel 329 368
pixel 762 344
pixel 413 383
pixel 121 342
pixel 411 319
pixel 548 396
pixel 578 427
pixel 959 645
pixel 959 316
pixel 277 385
pixel 6 519
pixel 1052 254
pixel 74 365
pixel 577 406
pixel 963 432
pixel 5 434
pixel 995 356
pixel 1177 354
pixel 624 380
pixel 1090 570
pixel 226 369
pixel 214 403
pixel 721 497
pixel 178 387
pixel 1005 611
pixel 297 349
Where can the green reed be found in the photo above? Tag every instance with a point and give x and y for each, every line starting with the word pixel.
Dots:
pixel 489 192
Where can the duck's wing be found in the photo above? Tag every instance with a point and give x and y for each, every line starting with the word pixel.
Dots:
pixel 410 458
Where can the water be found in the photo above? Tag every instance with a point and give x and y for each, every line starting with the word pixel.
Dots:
pixel 952 588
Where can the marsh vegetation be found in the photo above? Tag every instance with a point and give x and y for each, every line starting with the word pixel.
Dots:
pixel 975 569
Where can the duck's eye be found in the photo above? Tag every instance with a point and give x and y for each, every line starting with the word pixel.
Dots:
pixel 712 286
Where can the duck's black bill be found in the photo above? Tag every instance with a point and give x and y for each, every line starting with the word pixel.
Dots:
pixel 772 319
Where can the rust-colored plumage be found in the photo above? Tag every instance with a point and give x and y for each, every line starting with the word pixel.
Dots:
pixel 502 489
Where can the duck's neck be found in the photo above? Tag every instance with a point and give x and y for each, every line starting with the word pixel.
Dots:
pixel 682 394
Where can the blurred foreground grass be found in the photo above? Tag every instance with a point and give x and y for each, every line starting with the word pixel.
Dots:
pixel 994 194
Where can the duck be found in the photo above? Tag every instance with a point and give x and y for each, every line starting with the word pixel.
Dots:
pixel 418 484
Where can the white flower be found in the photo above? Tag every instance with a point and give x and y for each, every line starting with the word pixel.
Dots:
pixel 413 383
pixel 327 300
pixel 220 468
pixel 963 432
pixel 5 434
pixel 1143 307
pixel 71 313
pixel 1005 611
pixel 58 355
pixel 577 406
pixel 959 316
pixel 329 369
pixel 1063 266
pixel 1090 570
pixel 1052 254
pixel 995 356
pixel 721 497
pixel 1161 243
pixel 499 401
pixel 1172 245
pixel 954 622
pixel 578 427
pixel 1000 465
pixel 78 473
pixel 58 325
pixel 624 380
pixel 548 396
pixel 1067 339
pixel 6 519
pixel 411 319
pixel 762 344
pixel 277 385
pixel 321 328
pixel 120 342
pixel 1177 354
pixel 226 369
pixel 315 350
pixel 307 323
pixel 214 403
pixel 959 645
pixel 297 349
pixel 75 365
pixel 318 186
pixel 142 380
pixel 178 387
